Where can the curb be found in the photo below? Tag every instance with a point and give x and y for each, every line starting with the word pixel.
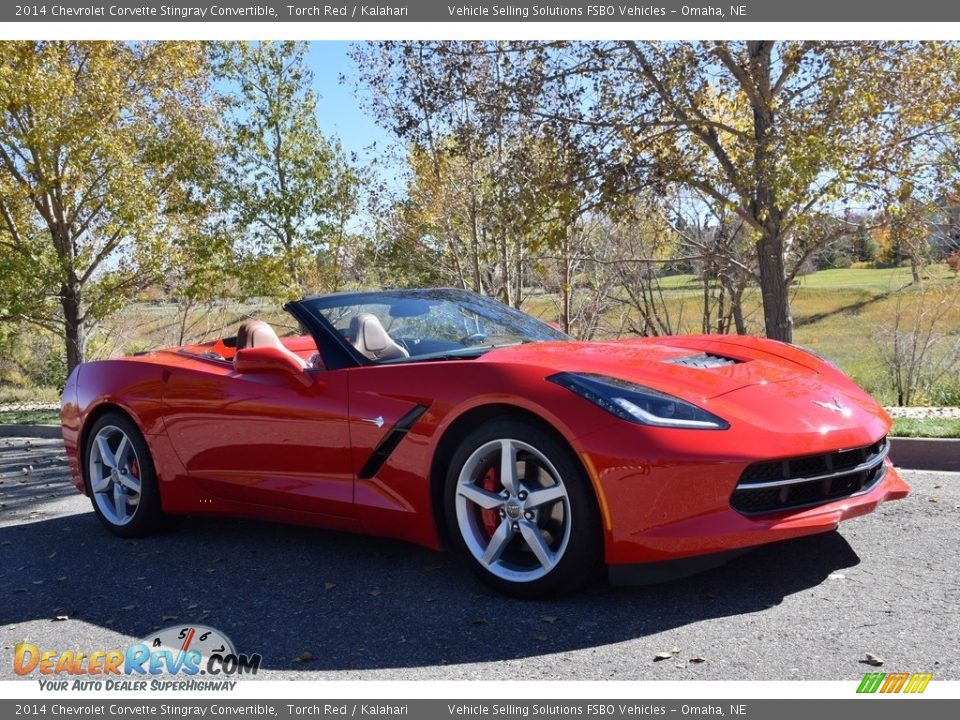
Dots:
pixel 32 431
pixel 909 453
pixel 926 453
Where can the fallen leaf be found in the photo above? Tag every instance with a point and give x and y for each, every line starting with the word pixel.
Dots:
pixel 698 659
pixel 874 660
pixel 61 618
pixel 52 555
pixel 376 591
pixel 169 618
pixel 662 656
pixel 304 657
pixel 680 665
pixel 329 585
pixel 541 638
pixel 934 499
pixel 675 650
pixel 836 576
pixel 129 607
pixel 479 621
pixel 549 618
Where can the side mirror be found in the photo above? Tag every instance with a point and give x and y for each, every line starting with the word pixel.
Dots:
pixel 269 360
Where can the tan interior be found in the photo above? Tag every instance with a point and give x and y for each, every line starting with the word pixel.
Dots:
pixel 371 339
pixel 257 333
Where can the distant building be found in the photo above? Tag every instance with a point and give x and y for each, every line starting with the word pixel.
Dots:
pixel 945 225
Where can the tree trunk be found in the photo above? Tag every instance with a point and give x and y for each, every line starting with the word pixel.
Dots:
pixel 774 289
pixel 915 269
pixel 70 300
pixel 766 211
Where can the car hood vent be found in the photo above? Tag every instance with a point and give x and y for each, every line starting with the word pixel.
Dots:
pixel 705 361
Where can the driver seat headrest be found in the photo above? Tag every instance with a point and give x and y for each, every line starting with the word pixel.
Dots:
pixel 371 339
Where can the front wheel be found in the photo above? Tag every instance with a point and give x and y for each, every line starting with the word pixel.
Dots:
pixel 520 508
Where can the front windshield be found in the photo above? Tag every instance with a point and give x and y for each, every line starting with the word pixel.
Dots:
pixel 404 325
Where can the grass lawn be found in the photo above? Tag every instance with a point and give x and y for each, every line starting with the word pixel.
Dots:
pixel 18 395
pixel 30 417
pixel 926 428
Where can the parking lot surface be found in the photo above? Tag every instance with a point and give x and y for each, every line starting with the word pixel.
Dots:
pixel 323 605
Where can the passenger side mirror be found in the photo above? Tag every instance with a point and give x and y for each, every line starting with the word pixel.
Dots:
pixel 270 360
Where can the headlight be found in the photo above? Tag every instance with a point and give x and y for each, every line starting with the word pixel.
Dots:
pixel 638 404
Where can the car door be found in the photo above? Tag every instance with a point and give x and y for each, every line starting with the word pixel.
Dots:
pixel 263 437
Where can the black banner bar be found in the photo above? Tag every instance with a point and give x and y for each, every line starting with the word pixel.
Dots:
pixel 785 709
pixel 420 11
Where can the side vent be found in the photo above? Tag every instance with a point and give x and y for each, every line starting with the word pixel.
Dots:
pixel 389 443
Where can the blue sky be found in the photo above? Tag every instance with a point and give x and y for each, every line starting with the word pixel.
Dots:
pixel 339 109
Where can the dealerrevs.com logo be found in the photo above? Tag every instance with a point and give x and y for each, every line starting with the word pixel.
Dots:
pixel 193 657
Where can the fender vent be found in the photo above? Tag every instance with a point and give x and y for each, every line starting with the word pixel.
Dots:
pixel 704 361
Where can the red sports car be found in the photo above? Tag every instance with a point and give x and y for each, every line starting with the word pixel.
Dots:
pixel 445 418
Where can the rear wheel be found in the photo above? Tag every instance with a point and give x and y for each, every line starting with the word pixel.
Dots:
pixel 121 477
pixel 521 510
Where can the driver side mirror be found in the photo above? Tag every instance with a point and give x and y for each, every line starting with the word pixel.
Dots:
pixel 269 359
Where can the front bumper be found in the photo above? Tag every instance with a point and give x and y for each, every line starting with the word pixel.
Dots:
pixel 673 503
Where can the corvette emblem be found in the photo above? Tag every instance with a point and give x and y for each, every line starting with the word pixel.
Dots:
pixel 834 406
pixel 378 420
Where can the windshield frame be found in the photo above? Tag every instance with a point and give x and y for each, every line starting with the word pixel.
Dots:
pixel 337 352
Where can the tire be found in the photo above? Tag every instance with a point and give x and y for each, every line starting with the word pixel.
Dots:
pixel 537 534
pixel 121 478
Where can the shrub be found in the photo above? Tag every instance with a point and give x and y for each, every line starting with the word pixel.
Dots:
pixel 953 261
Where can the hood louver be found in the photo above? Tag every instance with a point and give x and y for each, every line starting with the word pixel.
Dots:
pixel 704 361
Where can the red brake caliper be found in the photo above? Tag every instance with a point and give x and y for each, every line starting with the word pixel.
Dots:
pixel 490 483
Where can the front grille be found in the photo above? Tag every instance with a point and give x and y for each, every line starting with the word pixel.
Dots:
pixel 772 486
pixel 704 361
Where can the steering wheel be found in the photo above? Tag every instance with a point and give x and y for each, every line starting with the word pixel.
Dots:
pixel 473 339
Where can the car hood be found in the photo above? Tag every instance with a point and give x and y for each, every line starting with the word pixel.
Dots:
pixel 693 367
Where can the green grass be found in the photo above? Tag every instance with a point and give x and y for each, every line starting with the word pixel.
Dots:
pixel 14 395
pixel 926 428
pixel 30 417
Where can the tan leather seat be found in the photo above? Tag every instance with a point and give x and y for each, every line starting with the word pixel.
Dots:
pixel 257 333
pixel 371 339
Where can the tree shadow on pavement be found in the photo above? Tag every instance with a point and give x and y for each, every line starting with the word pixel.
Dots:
pixel 356 602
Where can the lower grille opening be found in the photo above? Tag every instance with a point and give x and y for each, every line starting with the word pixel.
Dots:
pixel 773 486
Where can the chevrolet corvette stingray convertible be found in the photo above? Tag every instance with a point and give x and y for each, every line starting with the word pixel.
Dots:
pixel 447 419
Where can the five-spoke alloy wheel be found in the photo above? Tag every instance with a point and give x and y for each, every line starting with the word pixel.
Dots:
pixel 121 477
pixel 521 509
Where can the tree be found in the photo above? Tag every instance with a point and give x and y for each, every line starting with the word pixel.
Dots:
pixel 100 144
pixel 778 133
pixel 490 186
pixel 286 186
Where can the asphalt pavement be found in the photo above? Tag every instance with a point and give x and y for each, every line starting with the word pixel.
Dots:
pixel 324 605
